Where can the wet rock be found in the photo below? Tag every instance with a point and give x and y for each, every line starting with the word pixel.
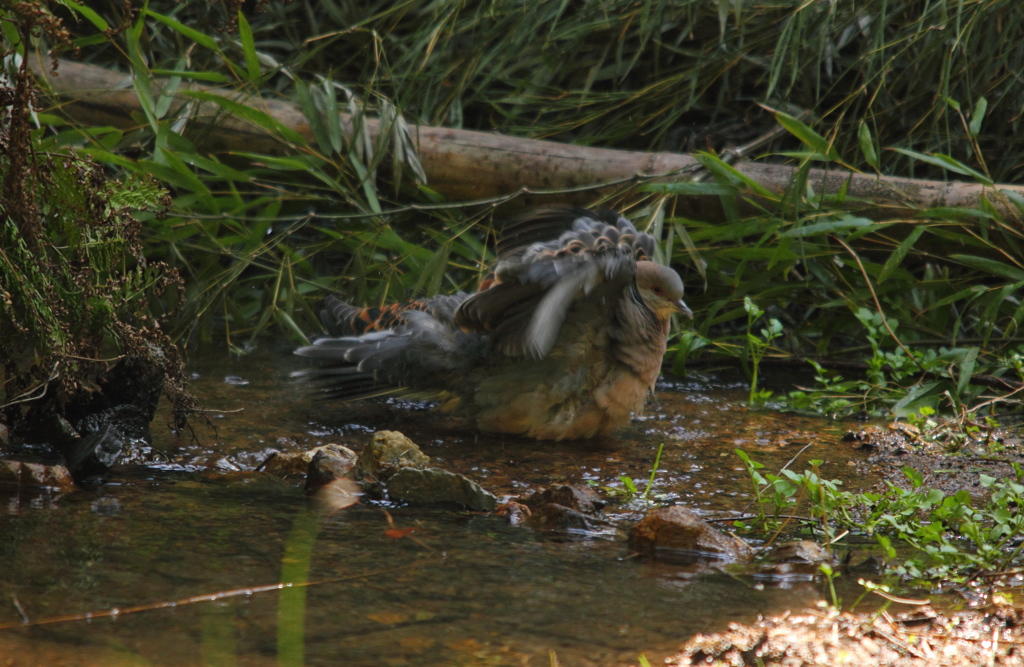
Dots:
pixel 386 453
pixel 580 498
pixel 563 507
pixel 296 464
pixel 329 463
pixel 432 486
pixel 794 561
pixel 680 535
pixel 18 474
pixel 559 518
pixel 802 552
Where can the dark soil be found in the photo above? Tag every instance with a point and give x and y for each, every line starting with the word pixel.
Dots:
pixel 943 465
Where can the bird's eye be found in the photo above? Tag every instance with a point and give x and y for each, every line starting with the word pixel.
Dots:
pixel 657 289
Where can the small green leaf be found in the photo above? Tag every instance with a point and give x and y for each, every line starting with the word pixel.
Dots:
pixel 966 369
pixel 847 222
pixel 252 62
pixel 191 33
pixel 686 188
pixel 255 116
pixel 88 13
pixel 896 258
pixel 213 77
pixel 804 133
pixel 867 144
pixel 946 162
pixel 977 116
pixel 732 175
pixel 990 266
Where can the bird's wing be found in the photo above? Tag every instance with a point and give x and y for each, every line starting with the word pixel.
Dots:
pixel 399 349
pixel 343 319
pixel 584 255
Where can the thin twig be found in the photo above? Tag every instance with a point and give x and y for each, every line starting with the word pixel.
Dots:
pixel 195 599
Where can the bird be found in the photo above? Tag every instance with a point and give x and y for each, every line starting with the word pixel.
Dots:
pixel 563 341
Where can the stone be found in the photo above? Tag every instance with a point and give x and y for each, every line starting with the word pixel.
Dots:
pixel 296 464
pixel 559 518
pixel 580 498
pixel 433 486
pixel 679 534
pixel 18 474
pixel 386 453
pixel 800 551
pixel 329 463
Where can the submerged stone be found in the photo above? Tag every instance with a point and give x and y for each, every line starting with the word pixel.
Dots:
pixel 555 517
pixel 580 498
pixel 679 534
pixel 800 551
pixel 433 486
pixel 799 560
pixel 563 507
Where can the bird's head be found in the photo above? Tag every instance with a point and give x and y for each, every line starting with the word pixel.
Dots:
pixel 661 288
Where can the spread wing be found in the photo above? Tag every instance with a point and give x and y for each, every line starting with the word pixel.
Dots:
pixel 550 260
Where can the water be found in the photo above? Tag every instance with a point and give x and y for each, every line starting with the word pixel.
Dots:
pixel 461 589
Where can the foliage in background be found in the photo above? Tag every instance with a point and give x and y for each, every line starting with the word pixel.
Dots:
pixel 900 314
pixel 76 293
pixel 924 305
pixel 659 74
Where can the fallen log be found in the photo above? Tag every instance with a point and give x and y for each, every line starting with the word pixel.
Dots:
pixel 466 165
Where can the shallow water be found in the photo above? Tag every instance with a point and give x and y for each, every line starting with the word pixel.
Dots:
pixel 463 588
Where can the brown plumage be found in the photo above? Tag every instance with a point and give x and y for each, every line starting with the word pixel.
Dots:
pixel 565 342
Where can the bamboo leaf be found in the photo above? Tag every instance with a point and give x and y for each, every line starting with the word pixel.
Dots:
pixel 990 266
pixel 966 368
pixel 867 144
pixel 896 258
pixel 687 188
pixel 252 62
pixel 730 174
pixel 191 33
pixel 946 162
pixel 846 223
pixel 977 116
pixel 89 14
pixel 254 116
pixel 812 139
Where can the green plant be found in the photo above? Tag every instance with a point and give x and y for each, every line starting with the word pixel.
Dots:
pixel 629 491
pixel 77 293
pixel 654 472
pixel 830 579
pixel 928 536
pixel 757 347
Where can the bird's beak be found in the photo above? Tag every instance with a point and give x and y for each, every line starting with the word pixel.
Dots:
pixel 683 309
